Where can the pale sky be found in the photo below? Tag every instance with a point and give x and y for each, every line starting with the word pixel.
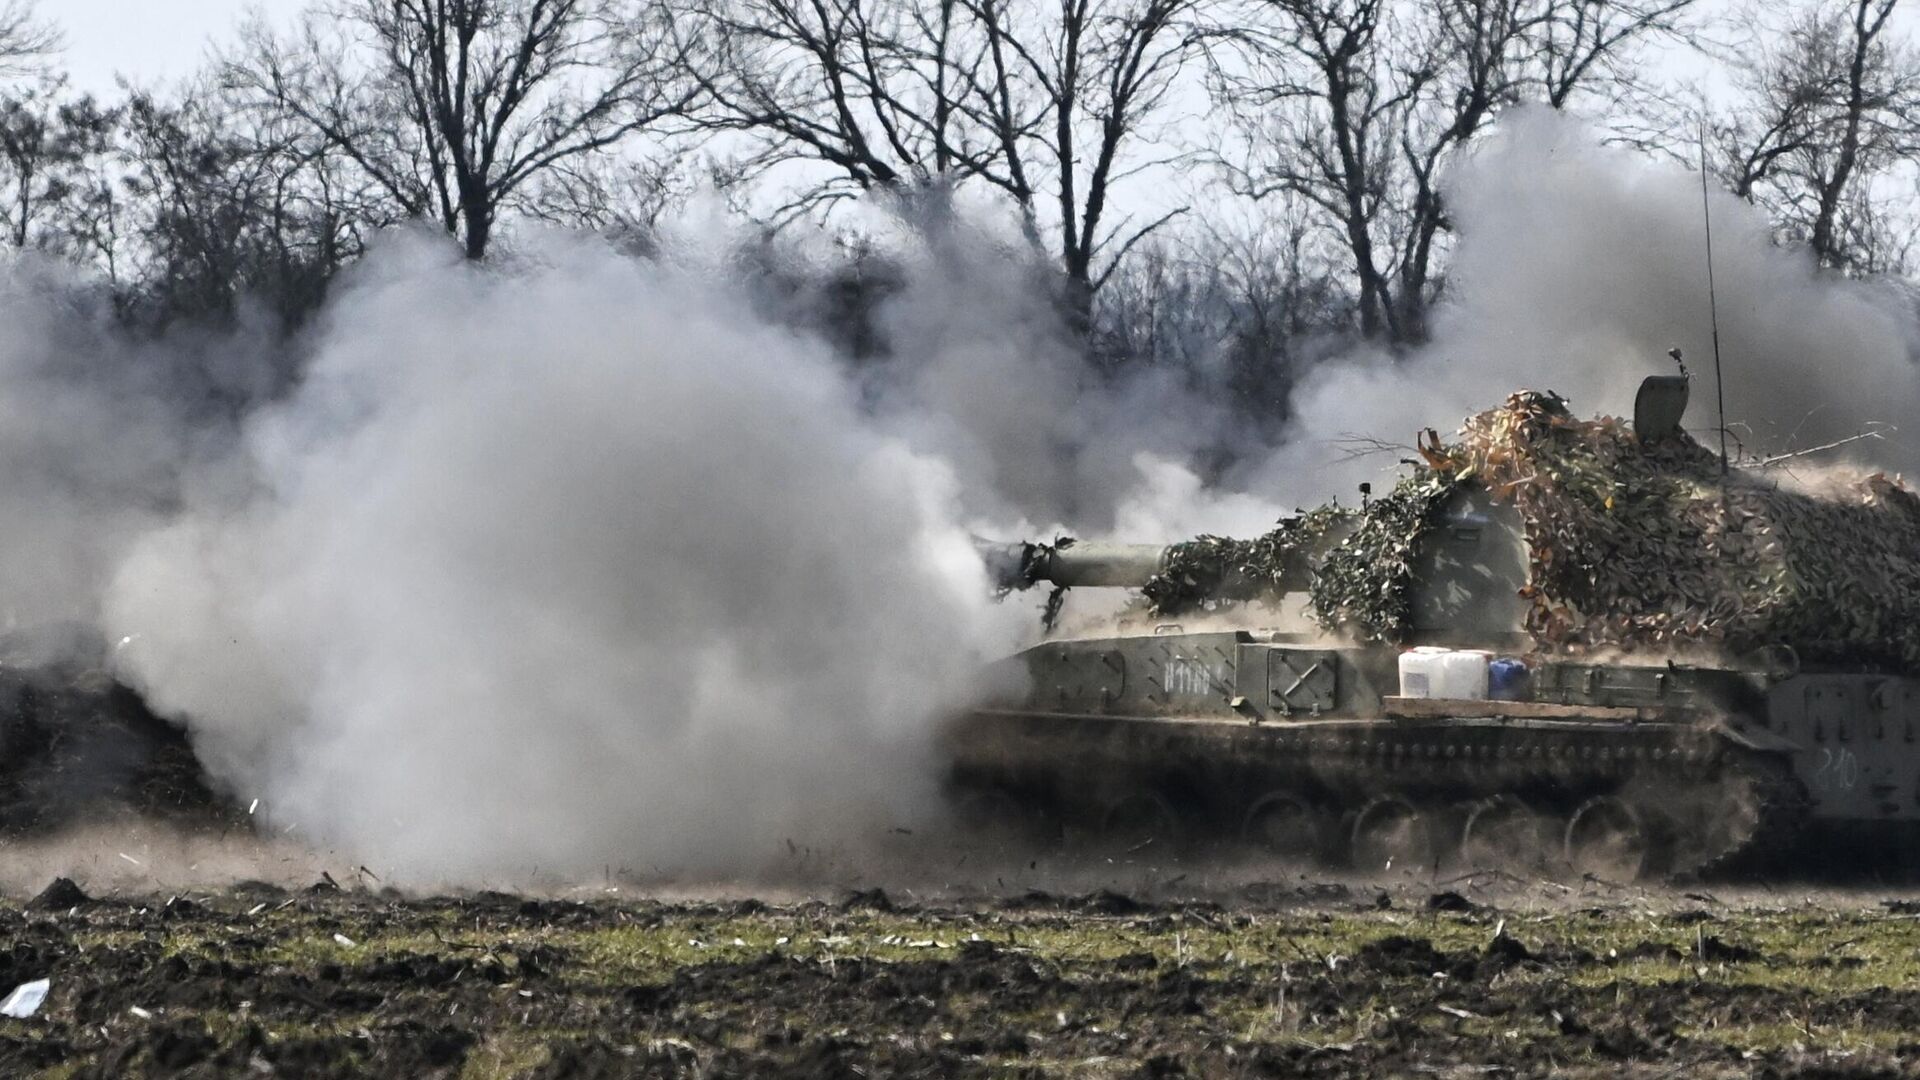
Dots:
pixel 149 41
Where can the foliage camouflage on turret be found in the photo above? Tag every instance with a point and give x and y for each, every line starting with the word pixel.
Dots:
pixel 1364 584
pixel 1630 544
pixel 1210 569
pixel 1638 544
pixel 1356 565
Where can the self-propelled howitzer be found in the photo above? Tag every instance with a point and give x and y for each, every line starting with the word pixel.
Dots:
pixel 1559 641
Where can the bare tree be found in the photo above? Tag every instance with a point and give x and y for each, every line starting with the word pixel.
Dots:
pixel 46 136
pixel 1099 76
pixel 53 150
pixel 1238 313
pixel 225 208
pixel 623 199
pixel 1581 47
pixel 452 107
pixel 25 39
pixel 1354 107
pixel 865 86
pixel 1832 107
pixel 1319 102
pixel 1054 103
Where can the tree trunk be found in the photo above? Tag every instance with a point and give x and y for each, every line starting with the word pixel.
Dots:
pixel 476 218
pixel 26 207
pixel 1076 300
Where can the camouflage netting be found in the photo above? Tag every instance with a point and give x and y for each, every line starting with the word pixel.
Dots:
pixel 1649 545
pixel 1209 569
pixel 1356 565
pixel 1629 544
pixel 1364 584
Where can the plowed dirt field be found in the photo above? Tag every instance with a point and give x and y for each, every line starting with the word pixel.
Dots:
pixel 1299 979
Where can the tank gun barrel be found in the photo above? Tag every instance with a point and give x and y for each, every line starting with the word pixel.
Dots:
pixel 1070 562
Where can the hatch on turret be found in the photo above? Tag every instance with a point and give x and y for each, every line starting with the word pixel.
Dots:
pixel 1468 573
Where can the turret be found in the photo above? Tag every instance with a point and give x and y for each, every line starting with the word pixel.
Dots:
pixel 1575 534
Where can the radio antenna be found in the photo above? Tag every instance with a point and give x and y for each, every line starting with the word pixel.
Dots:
pixel 1713 303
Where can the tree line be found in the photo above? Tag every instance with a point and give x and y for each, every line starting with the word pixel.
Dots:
pixel 1118 131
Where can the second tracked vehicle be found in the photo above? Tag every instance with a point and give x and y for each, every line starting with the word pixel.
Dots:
pixel 1579 643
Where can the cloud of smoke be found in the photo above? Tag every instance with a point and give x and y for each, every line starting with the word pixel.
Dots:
pixel 984 371
pixel 98 433
pixel 1578 266
pixel 561 566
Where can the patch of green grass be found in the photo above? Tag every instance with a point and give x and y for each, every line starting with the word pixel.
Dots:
pixel 504 1054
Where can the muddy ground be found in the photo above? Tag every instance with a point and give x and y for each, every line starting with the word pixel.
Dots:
pixel 1285 979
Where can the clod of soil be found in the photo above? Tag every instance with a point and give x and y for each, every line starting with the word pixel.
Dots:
pixel 868 900
pixel 1506 950
pixel 60 895
pixel 1400 956
pixel 1106 902
pixel 1715 951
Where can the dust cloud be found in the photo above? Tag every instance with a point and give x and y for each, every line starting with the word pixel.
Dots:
pixel 140 859
pixel 581 559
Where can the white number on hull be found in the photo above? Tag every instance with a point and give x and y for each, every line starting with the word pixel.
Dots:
pixel 1188 677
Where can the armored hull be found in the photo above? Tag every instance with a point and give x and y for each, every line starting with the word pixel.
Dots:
pixel 1209 743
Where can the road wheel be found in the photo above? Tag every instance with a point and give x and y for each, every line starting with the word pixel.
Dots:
pixel 1501 832
pixel 1389 832
pixel 1607 838
pixel 1143 823
pixel 1281 826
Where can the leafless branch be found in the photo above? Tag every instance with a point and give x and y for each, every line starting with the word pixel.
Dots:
pixel 454 106
pixel 1873 431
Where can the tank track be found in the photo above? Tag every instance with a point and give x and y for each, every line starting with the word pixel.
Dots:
pixel 1780 812
pixel 1682 774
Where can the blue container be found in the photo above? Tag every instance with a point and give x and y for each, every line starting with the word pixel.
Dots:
pixel 1506 679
